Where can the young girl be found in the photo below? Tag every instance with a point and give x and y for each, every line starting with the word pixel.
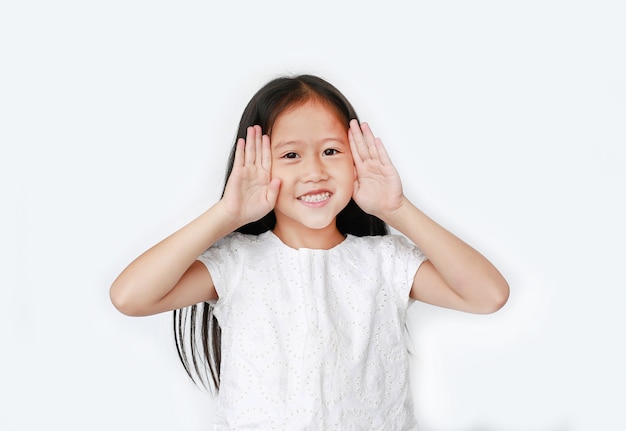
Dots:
pixel 302 292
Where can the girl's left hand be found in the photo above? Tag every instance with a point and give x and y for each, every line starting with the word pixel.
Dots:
pixel 377 186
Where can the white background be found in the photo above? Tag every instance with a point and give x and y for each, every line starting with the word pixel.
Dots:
pixel 506 120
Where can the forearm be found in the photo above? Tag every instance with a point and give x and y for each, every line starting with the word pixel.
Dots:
pixel 468 273
pixel 153 274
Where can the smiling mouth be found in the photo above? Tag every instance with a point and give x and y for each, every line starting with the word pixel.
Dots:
pixel 318 197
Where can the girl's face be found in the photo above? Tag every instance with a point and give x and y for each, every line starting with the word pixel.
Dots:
pixel 311 155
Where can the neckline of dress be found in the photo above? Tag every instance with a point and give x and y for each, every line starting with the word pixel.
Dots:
pixel 338 246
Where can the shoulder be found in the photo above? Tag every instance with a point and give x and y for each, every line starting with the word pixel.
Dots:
pixel 381 243
pixel 237 239
pixel 390 250
pixel 239 244
pixel 229 258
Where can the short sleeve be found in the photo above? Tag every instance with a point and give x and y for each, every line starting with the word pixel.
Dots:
pixel 407 258
pixel 220 260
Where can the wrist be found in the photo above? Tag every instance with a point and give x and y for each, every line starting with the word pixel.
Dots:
pixel 227 220
pixel 395 217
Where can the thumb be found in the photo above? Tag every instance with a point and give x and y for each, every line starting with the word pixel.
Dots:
pixel 273 189
pixel 355 188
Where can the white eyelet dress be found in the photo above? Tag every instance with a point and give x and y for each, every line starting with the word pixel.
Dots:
pixel 313 339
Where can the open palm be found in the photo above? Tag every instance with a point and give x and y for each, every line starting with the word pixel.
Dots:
pixel 377 186
pixel 250 192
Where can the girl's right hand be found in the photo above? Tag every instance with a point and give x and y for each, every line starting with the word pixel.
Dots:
pixel 168 276
pixel 250 192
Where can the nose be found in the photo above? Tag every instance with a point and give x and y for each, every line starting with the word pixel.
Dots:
pixel 313 170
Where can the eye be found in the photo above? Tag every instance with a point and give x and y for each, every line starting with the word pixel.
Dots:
pixel 291 155
pixel 330 152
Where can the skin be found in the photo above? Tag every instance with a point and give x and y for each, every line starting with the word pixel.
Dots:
pixel 311 154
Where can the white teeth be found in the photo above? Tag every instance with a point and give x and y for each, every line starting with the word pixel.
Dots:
pixel 315 198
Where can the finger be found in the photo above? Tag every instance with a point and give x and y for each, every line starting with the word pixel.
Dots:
pixel 382 152
pixel 370 141
pixel 258 144
pixel 239 151
pixel 358 146
pixel 266 153
pixel 250 153
pixel 353 149
pixel 272 191
pixel 355 188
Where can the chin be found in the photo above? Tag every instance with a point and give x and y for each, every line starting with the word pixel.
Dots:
pixel 321 225
pixel 316 224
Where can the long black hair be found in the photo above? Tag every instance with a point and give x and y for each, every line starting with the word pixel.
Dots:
pixel 196 330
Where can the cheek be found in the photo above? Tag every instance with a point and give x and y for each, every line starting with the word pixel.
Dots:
pixel 275 172
pixel 351 186
pixel 348 177
pixel 350 171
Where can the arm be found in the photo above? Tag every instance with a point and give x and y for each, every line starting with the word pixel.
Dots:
pixel 455 276
pixel 168 276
